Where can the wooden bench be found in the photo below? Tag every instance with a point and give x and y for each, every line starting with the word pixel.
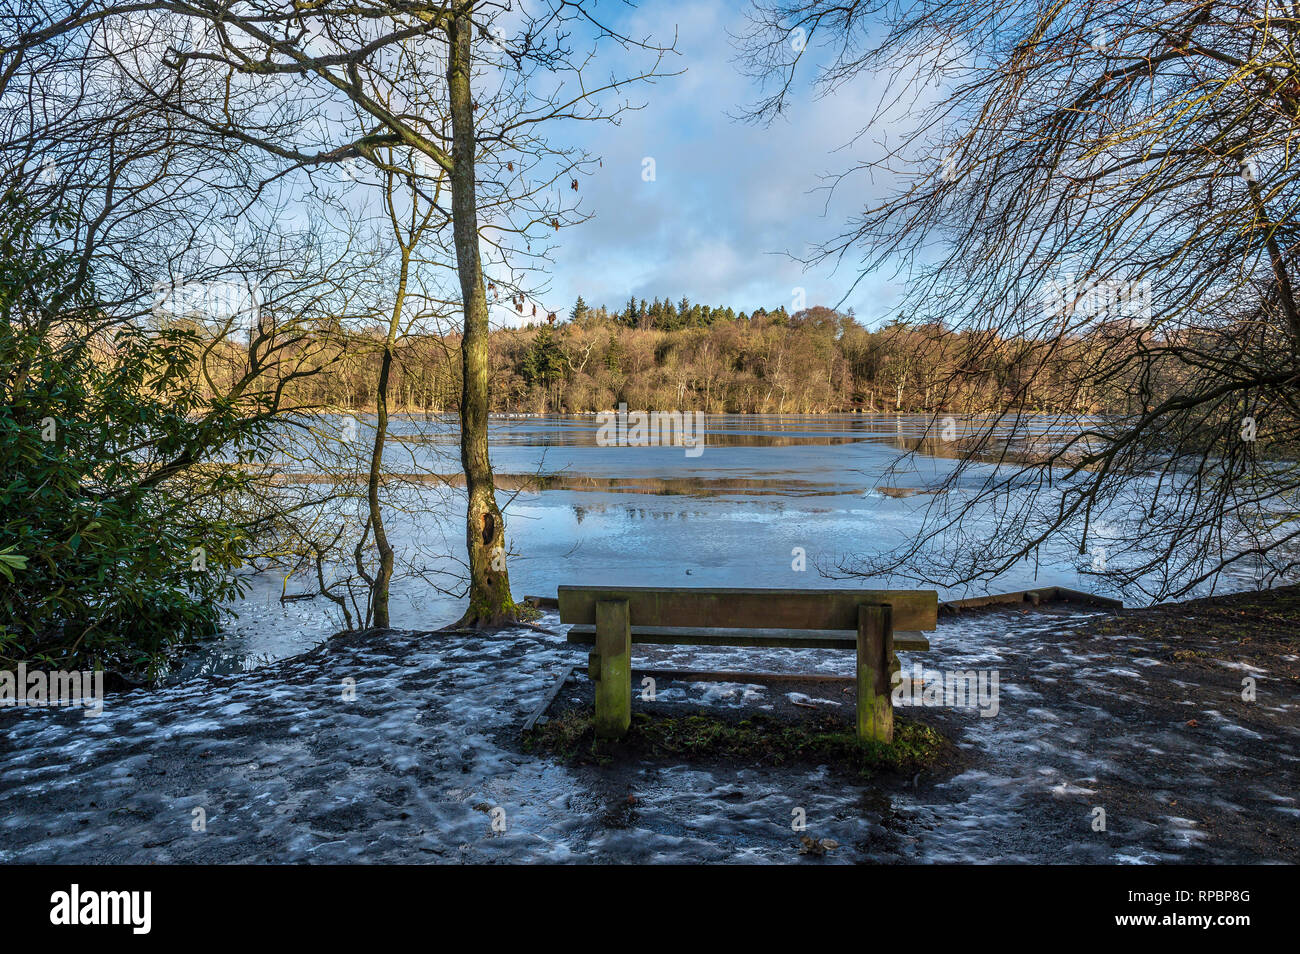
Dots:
pixel 611 619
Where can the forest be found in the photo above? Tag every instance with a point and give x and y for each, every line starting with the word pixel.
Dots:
pixel 661 355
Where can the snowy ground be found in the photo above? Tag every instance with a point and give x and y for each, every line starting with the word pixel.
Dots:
pixel 285 769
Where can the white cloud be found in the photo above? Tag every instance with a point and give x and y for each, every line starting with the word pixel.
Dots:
pixel 729 198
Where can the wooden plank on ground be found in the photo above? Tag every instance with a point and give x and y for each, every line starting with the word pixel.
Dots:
pixel 585 635
pixel 993 599
pixel 751 608
pixel 548 698
pixel 1078 596
pixel 1043 594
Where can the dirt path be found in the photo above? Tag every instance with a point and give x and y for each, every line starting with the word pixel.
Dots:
pixel 1139 714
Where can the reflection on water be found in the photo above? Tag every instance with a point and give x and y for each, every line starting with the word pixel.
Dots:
pixel 906 432
pixel 765 490
pixel 642 484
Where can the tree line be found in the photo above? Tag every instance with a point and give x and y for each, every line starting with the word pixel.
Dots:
pixel 814 361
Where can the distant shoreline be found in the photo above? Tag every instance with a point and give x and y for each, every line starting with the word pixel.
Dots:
pixel 402 411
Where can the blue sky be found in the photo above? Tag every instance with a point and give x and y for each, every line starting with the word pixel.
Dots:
pixel 729 198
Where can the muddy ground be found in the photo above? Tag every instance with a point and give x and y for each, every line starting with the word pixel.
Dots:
pixel 1139 714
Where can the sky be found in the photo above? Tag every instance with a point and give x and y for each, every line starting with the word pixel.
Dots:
pixel 729 201
pixel 731 204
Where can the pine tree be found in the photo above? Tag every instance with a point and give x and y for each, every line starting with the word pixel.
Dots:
pixel 580 310
pixel 669 321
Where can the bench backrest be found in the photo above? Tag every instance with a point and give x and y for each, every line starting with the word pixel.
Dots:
pixel 751 608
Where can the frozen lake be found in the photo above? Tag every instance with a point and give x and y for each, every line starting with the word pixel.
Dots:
pixel 762 491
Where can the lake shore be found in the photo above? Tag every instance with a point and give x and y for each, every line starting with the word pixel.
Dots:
pixel 1139 713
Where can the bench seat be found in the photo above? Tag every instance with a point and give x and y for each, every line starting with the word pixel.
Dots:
pixel 868 622
pixel 585 634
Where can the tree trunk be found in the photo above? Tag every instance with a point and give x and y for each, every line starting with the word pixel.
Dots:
pixel 379 592
pixel 1285 293
pixel 490 602
pixel 384 575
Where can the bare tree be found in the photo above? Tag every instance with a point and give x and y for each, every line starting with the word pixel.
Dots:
pixel 1100 194
pixel 183 253
pixel 311 60
pixel 314 85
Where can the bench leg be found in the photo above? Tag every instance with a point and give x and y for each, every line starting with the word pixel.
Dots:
pixel 876 660
pixel 614 685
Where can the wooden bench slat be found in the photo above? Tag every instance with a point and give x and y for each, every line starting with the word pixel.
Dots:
pixel 829 609
pixel 585 634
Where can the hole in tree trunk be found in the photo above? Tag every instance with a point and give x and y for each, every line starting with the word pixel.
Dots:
pixel 489 528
